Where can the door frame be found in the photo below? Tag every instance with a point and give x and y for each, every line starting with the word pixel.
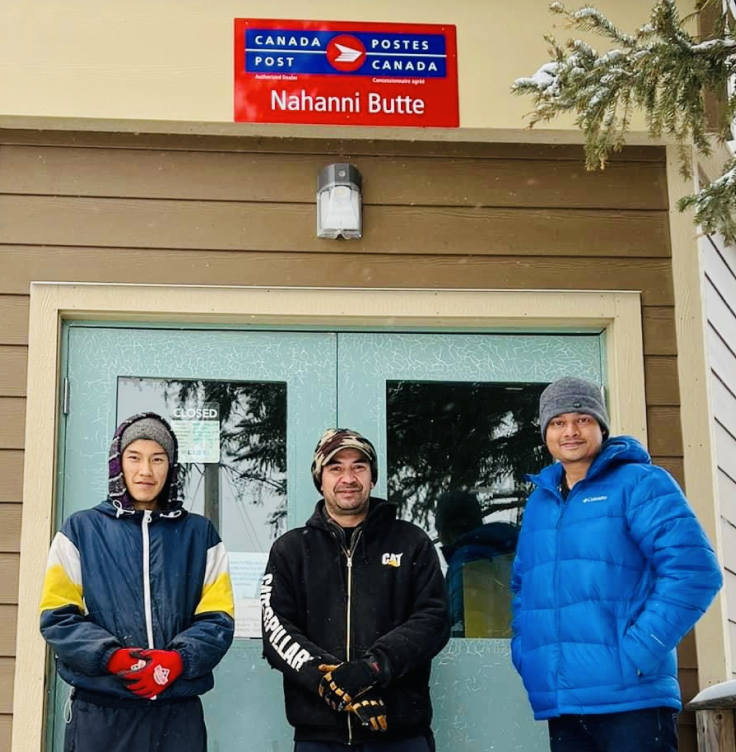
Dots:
pixel 615 314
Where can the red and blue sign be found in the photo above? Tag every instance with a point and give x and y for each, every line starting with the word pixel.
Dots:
pixel 321 72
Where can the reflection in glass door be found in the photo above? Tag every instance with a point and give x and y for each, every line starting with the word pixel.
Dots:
pixel 458 453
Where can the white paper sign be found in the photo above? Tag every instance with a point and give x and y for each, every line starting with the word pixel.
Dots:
pixel 197 430
pixel 246 572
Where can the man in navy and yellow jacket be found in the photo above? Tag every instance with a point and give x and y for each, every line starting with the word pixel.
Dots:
pixel 137 604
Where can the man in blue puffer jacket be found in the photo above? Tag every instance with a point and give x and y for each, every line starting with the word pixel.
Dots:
pixel 137 604
pixel 612 570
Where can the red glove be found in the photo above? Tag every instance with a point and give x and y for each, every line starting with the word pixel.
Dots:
pixel 162 668
pixel 124 660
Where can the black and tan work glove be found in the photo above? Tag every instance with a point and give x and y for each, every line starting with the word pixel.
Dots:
pixel 370 710
pixel 346 682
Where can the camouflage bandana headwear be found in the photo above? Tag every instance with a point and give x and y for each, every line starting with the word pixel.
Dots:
pixel 118 491
pixel 335 439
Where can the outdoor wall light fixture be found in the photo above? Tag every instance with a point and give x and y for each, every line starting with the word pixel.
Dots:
pixel 339 202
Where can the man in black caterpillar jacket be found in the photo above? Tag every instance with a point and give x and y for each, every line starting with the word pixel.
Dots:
pixel 354 610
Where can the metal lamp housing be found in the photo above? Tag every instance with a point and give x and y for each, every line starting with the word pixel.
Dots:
pixel 339 202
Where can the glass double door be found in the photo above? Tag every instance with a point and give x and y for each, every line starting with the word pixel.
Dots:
pixel 453 417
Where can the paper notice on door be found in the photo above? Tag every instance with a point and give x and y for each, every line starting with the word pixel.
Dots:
pixel 246 572
pixel 197 430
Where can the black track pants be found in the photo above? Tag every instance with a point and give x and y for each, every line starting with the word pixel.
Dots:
pixel 172 727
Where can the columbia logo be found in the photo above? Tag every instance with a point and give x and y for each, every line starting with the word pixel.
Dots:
pixel 594 498
pixel 391 560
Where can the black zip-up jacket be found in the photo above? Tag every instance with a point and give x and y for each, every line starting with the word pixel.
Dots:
pixel 324 603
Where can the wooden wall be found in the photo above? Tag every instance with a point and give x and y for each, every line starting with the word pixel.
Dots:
pixel 720 302
pixel 206 210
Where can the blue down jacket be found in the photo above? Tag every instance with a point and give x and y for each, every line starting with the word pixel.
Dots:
pixel 117 577
pixel 606 585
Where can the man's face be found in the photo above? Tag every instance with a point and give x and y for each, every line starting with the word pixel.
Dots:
pixel 145 469
pixel 346 486
pixel 574 437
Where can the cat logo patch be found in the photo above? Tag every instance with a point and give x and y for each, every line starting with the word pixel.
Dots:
pixel 391 560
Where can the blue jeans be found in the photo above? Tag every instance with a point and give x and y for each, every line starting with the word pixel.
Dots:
pixel 648 730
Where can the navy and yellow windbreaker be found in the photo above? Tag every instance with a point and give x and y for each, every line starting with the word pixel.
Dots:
pixel 117 577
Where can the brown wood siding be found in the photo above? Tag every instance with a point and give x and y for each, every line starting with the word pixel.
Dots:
pixel 7 667
pixel 8 619
pixel 6 728
pixel 9 578
pixel 205 210
pixel 13 366
pixel 13 319
pixel 11 472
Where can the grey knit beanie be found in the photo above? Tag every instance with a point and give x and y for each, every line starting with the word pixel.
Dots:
pixel 572 395
pixel 149 428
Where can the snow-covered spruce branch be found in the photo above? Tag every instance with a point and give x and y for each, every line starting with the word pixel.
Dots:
pixel 714 207
pixel 660 69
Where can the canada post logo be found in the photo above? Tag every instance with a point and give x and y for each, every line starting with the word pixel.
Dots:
pixel 364 53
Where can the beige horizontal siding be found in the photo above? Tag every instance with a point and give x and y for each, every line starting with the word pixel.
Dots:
pixel 665 437
pixel 251 226
pixel 13 368
pixel 346 269
pixel 395 180
pixel 10 528
pixel 661 380
pixel 327 148
pixel 9 578
pixel 11 472
pixel 7 669
pixel 6 729
pixel 13 319
pixel 8 621
pixel 659 330
pixel 12 422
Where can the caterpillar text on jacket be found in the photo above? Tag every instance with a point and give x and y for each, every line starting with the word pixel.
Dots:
pixel 294 654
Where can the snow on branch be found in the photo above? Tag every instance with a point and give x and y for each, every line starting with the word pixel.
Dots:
pixel 714 207
pixel 660 69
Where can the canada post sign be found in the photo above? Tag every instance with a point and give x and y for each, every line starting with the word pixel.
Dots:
pixel 319 72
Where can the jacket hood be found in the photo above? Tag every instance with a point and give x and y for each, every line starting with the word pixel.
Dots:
pixel 118 494
pixel 379 510
pixel 618 450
